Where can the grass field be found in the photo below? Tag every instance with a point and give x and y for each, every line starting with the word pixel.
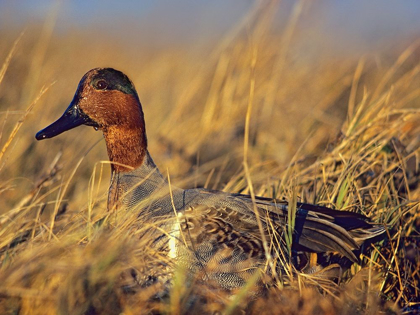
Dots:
pixel 341 131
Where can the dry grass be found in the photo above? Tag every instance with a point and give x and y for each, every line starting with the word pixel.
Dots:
pixel 341 132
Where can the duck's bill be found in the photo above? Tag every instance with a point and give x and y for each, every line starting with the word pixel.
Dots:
pixel 72 118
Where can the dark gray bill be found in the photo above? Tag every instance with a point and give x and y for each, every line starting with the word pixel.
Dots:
pixel 71 118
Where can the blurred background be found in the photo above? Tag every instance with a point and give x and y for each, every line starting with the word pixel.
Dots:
pixel 331 90
pixel 192 63
pixel 340 26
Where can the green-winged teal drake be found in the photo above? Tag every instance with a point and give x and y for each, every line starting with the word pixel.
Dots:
pixel 205 227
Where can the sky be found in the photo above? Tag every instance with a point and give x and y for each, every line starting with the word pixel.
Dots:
pixel 354 23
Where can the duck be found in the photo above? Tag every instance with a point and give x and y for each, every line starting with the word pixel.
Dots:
pixel 237 235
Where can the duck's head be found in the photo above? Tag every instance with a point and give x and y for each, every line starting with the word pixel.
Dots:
pixel 107 100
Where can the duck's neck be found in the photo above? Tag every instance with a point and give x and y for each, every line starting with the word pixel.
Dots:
pixel 132 187
pixel 126 147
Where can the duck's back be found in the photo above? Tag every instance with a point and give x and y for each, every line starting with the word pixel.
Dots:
pixel 218 232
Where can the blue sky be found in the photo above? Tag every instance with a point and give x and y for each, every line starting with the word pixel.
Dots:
pixel 355 22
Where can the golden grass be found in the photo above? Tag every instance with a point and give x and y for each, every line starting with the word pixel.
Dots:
pixel 247 116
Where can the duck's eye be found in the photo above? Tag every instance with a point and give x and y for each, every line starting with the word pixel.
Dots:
pixel 101 85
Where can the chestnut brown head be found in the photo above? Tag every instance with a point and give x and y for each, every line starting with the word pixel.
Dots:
pixel 107 100
pixel 104 98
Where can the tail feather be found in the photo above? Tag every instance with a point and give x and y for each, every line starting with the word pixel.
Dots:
pixel 322 241
pixel 333 229
pixel 347 233
pixel 363 235
pixel 321 229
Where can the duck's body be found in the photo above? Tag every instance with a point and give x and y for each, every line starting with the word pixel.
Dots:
pixel 201 227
